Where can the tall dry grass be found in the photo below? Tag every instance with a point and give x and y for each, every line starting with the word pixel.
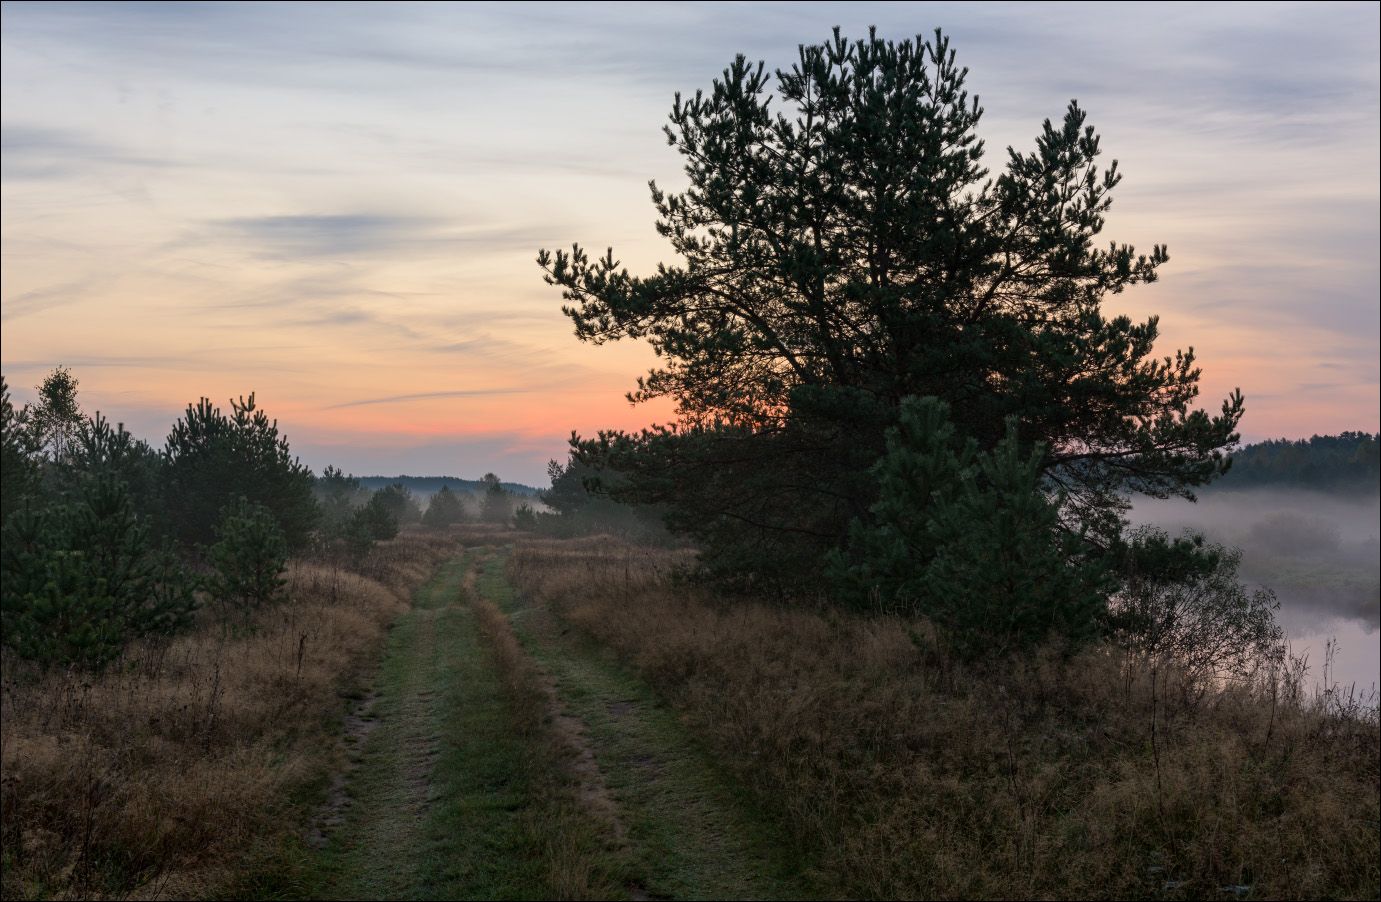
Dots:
pixel 165 775
pixel 904 775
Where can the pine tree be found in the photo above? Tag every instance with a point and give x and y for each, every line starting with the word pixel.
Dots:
pixel 842 248
pixel 100 449
pixel 83 578
pixel 524 517
pixel 212 460
pixel 249 557
pixel 969 539
pixel 375 522
pixel 445 509
pixel 18 450
pixel 496 505
pixel 397 499
pixel 338 496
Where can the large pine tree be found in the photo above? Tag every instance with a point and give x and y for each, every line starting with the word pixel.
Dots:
pixel 842 248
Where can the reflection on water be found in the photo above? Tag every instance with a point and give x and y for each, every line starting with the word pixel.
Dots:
pixel 1356 659
pixel 1319 553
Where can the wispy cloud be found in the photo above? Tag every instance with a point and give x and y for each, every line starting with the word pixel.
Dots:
pixel 432 395
pixel 326 235
pixel 42 300
pixel 38 153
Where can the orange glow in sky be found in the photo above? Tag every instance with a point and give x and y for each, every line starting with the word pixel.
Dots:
pixel 338 207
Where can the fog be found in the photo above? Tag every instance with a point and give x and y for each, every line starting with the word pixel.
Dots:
pixel 1318 552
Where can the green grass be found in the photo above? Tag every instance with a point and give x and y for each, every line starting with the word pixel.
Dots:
pixel 439 797
pixel 452 800
pixel 691 834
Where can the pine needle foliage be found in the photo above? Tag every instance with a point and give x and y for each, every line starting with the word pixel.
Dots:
pixel 249 557
pixel 84 578
pixel 841 247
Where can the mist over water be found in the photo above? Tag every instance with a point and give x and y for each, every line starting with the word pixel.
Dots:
pixel 1320 554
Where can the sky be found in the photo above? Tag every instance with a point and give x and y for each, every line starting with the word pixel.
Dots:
pixel 338 207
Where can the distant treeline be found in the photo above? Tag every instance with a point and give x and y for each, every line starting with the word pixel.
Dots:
pixel 1348 461
pixel 430 485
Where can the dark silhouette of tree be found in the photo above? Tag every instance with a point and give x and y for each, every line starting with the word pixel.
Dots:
pixel 445 509
pixel 18 452
pixel 496 504
pixel 375 522
pixel 57 415
pixel 579 504
pixel 83 577
pixel 400 503
pixel 842 248
pixel 212 460
pixel 1349 461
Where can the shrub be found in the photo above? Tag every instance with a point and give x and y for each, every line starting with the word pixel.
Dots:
pixel 83 578
pixel 249 557
pixel 1181 602
pixel 971 541
pixel 338 496
pixel 525 518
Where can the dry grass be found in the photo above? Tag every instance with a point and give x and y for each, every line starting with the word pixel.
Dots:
pixel 166 774
pixel 905 776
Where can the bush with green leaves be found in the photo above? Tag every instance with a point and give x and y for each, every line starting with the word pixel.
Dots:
pixel 1181 602
pixel 248 557
pixel 445 509
pixel 971 540
pixel 82 578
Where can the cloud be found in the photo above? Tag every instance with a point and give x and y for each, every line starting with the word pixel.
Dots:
pixel 42 300
pixel 327 235
pixel 42 153
pixel 427 396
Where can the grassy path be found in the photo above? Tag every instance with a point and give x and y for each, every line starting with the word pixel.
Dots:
pixel 688 834
pixel 434 800
pixel 451 800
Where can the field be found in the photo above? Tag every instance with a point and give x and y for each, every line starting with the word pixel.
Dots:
pixel 902 775
pixel 572 719
pixel 178 771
